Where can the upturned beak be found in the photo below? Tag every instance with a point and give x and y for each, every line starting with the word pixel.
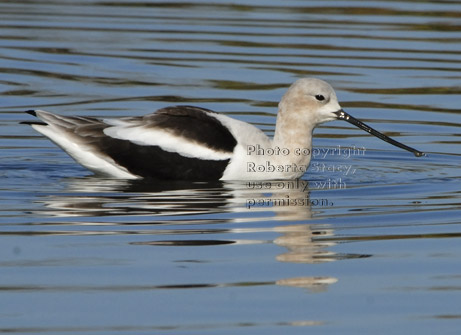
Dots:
pixel 342 115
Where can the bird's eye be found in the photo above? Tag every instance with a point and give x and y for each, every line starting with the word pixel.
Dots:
pixel 320 97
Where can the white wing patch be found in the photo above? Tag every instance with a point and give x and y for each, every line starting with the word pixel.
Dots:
pixel 165 140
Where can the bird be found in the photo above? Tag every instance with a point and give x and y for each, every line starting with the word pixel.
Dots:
pixel 192 143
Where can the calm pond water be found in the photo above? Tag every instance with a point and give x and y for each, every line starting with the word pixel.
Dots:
pixel 368 241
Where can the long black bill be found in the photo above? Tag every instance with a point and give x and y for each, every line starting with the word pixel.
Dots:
pixel 342 115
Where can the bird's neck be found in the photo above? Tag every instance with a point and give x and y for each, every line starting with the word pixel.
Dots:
pixel 292 131
pixel 294 134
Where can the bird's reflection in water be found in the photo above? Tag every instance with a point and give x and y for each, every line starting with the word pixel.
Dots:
pixel 92 196
pixel 227 209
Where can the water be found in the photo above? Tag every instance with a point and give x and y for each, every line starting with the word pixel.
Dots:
pixel 367 241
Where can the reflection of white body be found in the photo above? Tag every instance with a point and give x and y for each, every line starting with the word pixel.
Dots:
pixel 192 143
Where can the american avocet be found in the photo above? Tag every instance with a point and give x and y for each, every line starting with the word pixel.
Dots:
pixel 193 143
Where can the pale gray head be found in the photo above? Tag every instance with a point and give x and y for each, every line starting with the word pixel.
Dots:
pixel 310 102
